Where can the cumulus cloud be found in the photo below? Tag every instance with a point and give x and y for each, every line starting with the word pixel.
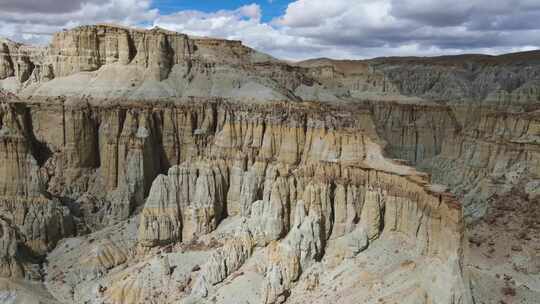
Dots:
pixel 425 26
pixel 311 28
pixel 240 24
pixel 34 21
pixel 371 28
pixel 43 6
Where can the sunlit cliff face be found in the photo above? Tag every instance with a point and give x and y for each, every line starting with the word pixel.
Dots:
pixel 150 166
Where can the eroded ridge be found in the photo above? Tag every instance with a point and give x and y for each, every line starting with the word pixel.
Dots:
pixel 297 177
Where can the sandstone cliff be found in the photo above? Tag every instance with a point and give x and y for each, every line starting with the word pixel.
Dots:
pixel 109 61
pixel 300 176
pixel 148 166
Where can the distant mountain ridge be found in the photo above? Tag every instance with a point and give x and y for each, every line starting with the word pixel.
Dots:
pixel 108 61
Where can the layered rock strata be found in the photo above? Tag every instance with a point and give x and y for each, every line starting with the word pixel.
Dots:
pixel 505 80
pixel 32 219
pixel 310 179
pixel 300 175
pixel 188 199
pixel 109 61
pixel 496 148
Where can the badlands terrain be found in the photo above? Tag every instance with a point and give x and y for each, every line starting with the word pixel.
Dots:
pixel 148 166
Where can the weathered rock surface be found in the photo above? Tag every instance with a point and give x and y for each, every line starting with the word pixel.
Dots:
pixel 142 166
pixel 37 220
pixel 465 79
pixel 415 132
pixel 300 176
pixel 109 61
pixel 496 151
pixel 9 260
pixel 187 203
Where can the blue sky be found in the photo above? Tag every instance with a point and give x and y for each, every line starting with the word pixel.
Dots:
pixel 270 8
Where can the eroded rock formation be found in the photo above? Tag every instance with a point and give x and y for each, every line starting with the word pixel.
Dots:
pixel 38 219
pixel 148 166
pixel 299 175
pixel 112 61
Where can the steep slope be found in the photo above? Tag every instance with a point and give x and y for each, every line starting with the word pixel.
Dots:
pixel 474 128
pixel 148 166
pixel 507 80
pixel 109 61
pixel 295 175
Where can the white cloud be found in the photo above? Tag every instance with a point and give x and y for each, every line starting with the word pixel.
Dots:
pixel 241 24
pixel 369 28
pixel 36 25
pixel 315 28
pixel 311 13
pixel 252 11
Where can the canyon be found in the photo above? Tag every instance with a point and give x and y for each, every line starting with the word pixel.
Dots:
pixel 149 166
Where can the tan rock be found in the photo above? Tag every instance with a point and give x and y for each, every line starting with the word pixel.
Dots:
pixel 371 217
pixel 161 217
pixel 19 171
pixel 10 265
pixel 205 209
pixel 6 62
pixel 224 261
pixel 305 176
pixel 287 259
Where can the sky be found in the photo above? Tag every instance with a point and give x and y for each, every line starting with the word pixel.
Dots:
pixel 301 29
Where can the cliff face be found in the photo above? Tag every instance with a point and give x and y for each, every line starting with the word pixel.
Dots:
pixel 144 166
pixel 31 220
pixel 114 62
pixel 357 78
pixel 470 122
pixel 415 132
pixel 506 80
pixel 297 176
pixel 107 61
pixel 489 159
pixel 472 150
pixel 495 148
pixel 481 127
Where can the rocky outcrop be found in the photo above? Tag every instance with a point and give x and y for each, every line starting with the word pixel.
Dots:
pixel 414 132
pixel 161 218
pixel 187 203
pixel 88 48
pixel 264 163
pixel 287 259
pixel 330 180
pixel 19 168
pixel 10 264
pixel 495 151
pixel 109 61
pixel 225 261
pixel 6 62
pixel 40 220
pixel 137 163
pixel 302 175
pixel 356 79
pixel 253 165
pixel 187 199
